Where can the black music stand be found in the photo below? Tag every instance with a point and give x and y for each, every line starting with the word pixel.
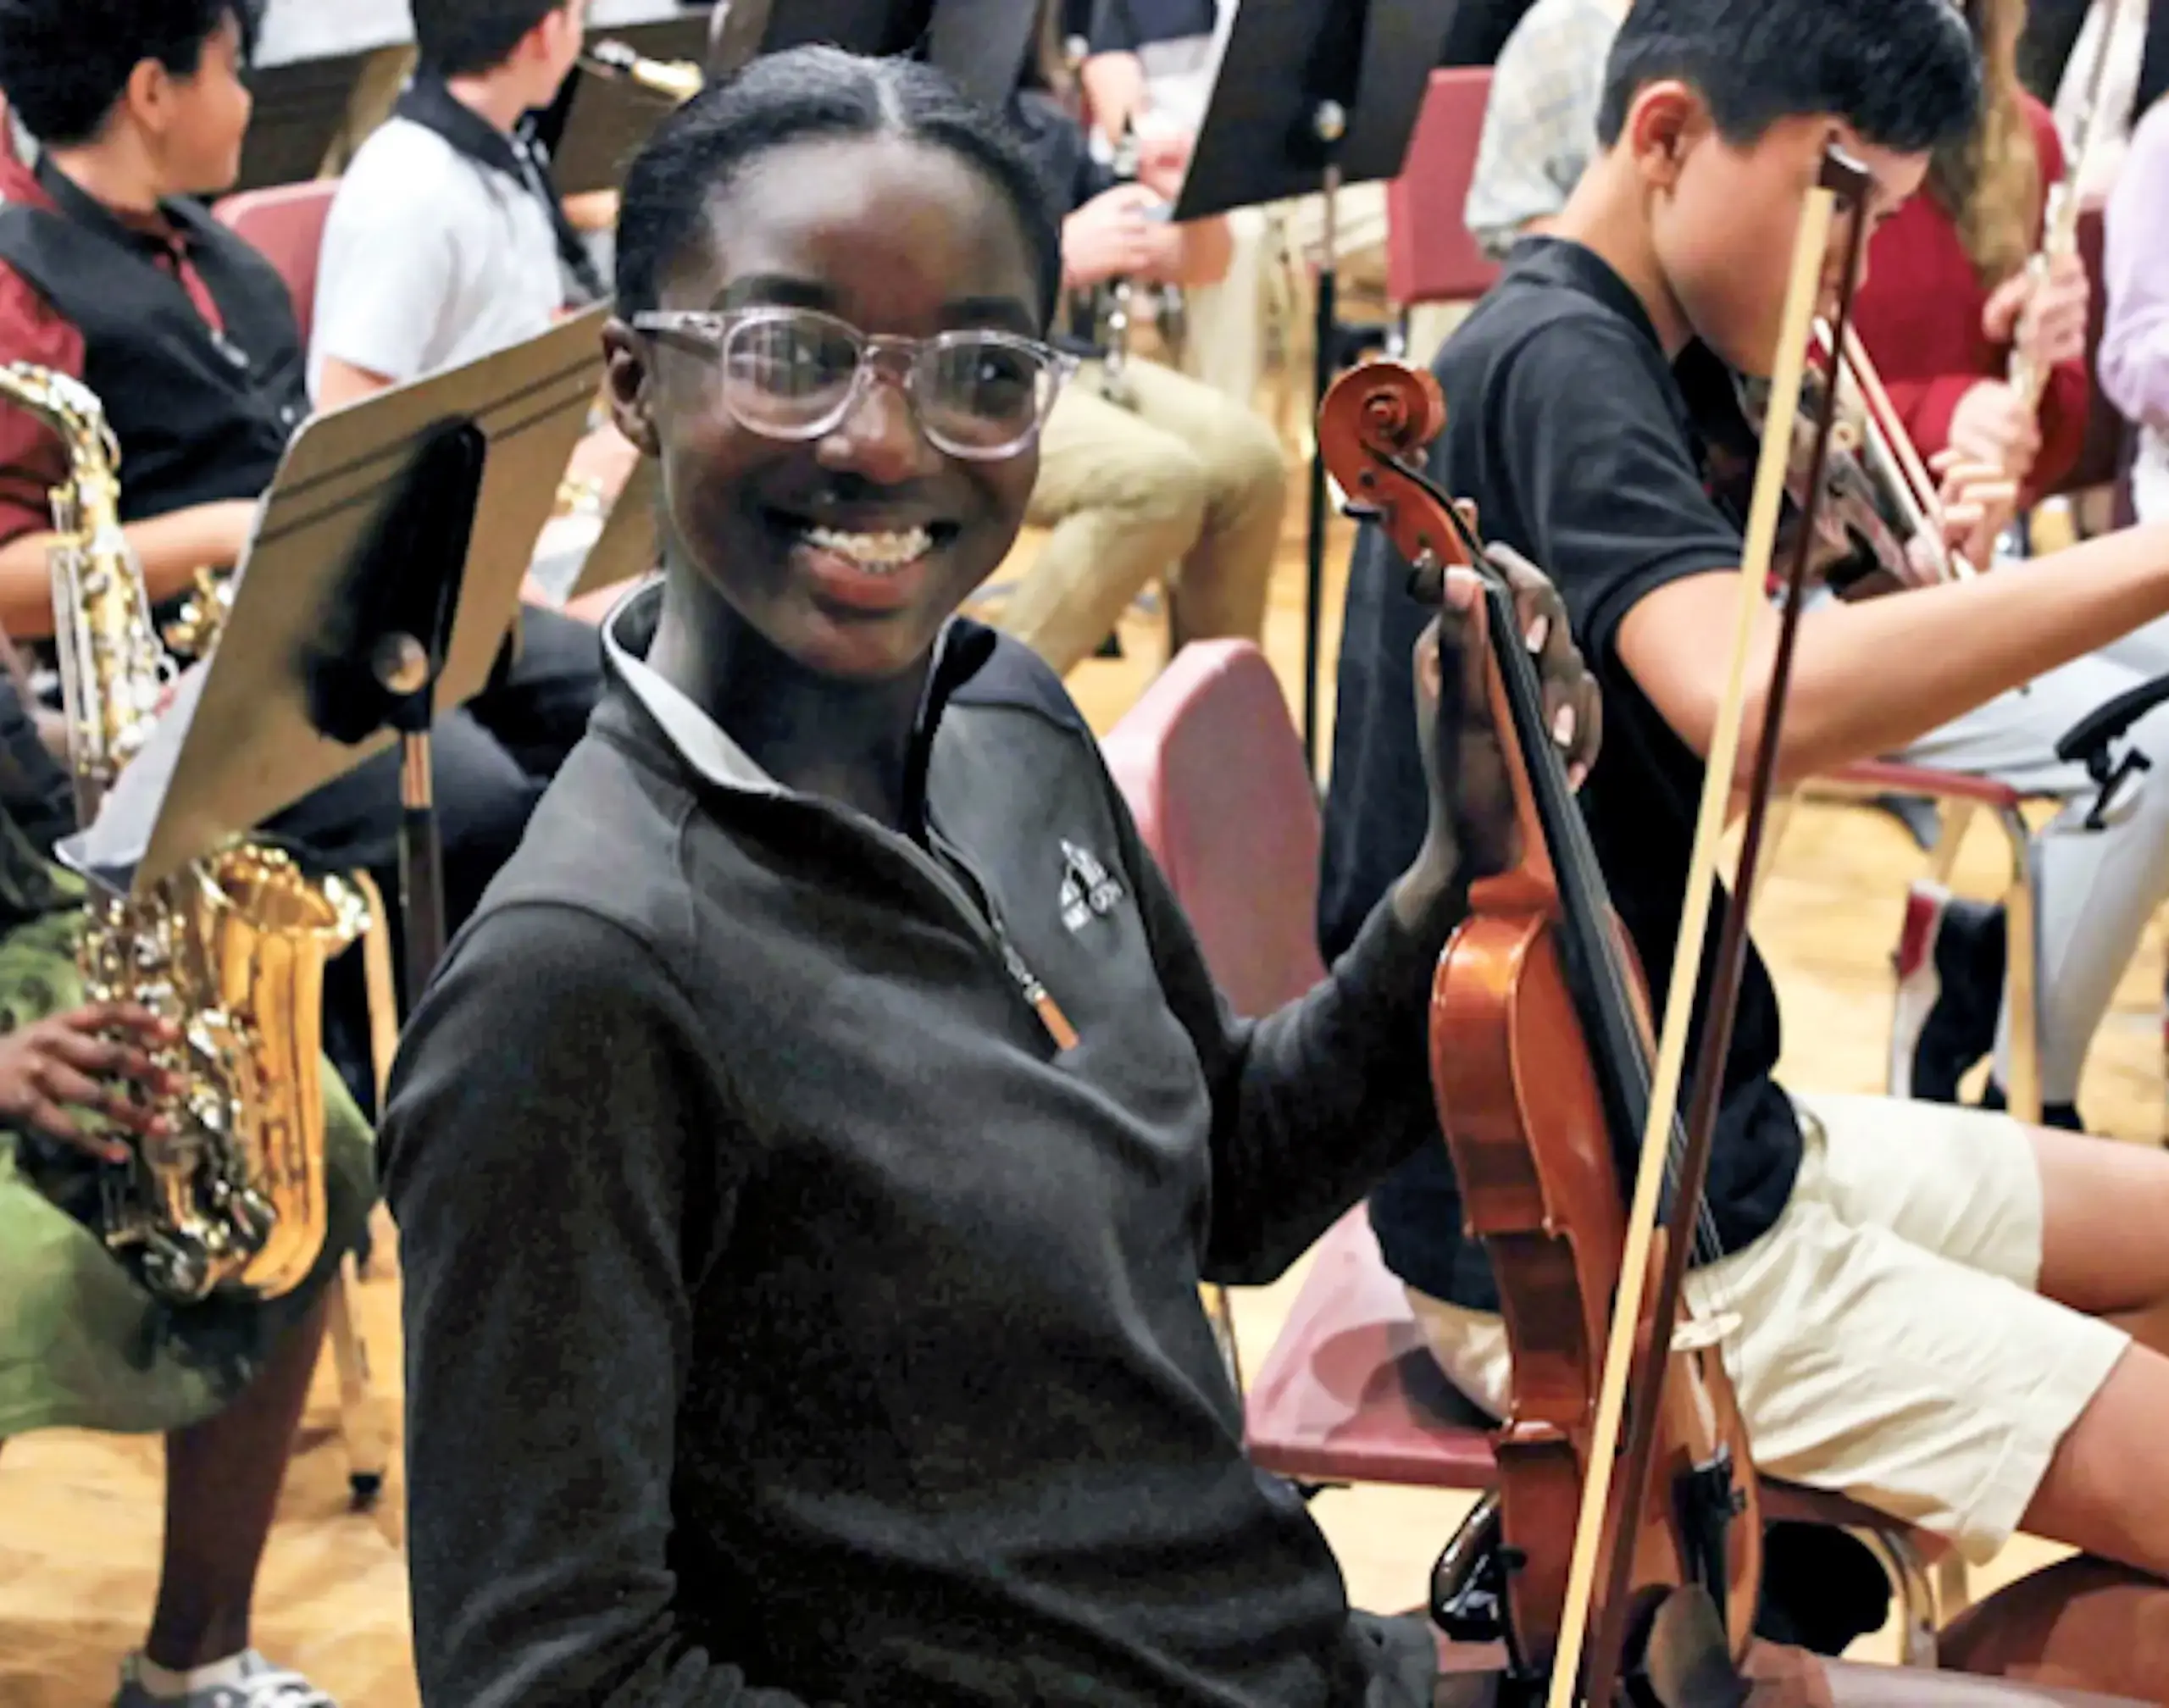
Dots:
pixel 301 108
pixel 597 124
pixel 379 587
pixel 1308 95
pixel 980 43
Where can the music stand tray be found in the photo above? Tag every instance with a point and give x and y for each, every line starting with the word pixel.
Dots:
pixel 607 121
pixel 240 743
pixel 980 43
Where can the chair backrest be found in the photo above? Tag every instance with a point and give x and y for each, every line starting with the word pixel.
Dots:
pixel 286 224
pixel 1210 765
pixel 1431 258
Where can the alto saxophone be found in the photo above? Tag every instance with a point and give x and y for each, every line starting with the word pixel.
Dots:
pixel 231 949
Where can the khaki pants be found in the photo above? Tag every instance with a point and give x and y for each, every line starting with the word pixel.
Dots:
pixel 1186 485
pixel 1887 1341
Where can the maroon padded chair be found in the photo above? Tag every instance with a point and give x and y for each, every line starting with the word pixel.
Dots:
pixel 284 223
pixel 1212 770
pixel 1430 256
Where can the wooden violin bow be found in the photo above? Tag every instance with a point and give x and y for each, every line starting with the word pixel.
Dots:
pixel 1598 1579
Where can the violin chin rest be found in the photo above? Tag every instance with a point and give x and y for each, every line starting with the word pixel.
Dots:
pixel 1685 1658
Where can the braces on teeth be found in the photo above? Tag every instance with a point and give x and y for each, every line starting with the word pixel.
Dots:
pixel 873 551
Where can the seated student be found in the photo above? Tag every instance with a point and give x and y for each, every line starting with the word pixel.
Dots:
pixel 1149 67
pixel 84 1344
pixel 1949 1316
pixel 2097 888
pixel 1948 298
pixel 1170 479
pixel 1539 119
pixel 111 272
pixel 802 1164
pixel 447 241
pixel 2134 355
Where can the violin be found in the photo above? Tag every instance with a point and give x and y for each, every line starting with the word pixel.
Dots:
pixel 1541 1046
pixel 1878 518
pixel 1622 1431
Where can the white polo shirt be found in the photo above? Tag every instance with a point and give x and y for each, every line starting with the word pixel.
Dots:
pixel 431 259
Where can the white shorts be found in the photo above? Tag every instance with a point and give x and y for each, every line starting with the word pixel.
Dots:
pixel 1889 1345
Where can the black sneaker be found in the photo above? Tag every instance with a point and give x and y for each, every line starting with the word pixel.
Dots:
pixel 2064 1116
pixel 1950 967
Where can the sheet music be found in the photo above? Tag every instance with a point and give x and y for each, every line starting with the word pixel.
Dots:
pixel 110 849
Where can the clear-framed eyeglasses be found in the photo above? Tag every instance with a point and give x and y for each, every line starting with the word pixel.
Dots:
pixel 797 373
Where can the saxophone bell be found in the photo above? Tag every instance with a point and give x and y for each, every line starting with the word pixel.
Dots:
pixel 231 950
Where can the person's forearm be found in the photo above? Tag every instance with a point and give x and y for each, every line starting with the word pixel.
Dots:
pixel 2135 371
pixel 1332 1093
pixel 1114 89
pixel 170 549
pixel 1872 678
pixel 1200 255
pixel 342 382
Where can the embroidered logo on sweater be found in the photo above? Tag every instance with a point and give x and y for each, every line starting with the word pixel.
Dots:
pixel 1088 889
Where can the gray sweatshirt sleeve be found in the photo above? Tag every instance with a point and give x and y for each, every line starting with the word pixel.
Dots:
pixel 534 1156
pixel 1312 1105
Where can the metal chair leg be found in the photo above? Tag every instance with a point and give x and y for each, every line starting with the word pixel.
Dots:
pixel 1943 858
pixel 1915 1592
pixel 360 1434
pixel 369 1452
pixel 2022 969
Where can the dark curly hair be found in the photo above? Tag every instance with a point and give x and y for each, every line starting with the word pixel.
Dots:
pixel 789 98
pixel 65 63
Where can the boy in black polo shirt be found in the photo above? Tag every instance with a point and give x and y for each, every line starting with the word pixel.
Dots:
pixel 1941 1312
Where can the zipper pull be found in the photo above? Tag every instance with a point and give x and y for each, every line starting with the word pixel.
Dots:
pixel 1043 1004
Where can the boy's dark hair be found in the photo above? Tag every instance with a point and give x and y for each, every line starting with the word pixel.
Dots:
pixel 464 38
pixel 794 96
pixel 1904 74
pixel 64 64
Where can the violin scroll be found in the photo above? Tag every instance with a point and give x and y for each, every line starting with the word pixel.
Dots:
pixel 1374 427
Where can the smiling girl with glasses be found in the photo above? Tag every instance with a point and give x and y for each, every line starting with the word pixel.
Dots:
pixel 806 1170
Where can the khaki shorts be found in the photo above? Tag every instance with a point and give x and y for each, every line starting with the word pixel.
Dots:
pixel 1890 1344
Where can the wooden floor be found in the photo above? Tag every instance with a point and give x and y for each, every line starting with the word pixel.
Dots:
pixel 80 1515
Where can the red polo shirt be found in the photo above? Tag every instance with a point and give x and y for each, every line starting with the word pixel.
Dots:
pixel 32 460
pixel 1919 314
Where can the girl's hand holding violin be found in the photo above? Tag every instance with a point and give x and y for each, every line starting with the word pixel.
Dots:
pixel 1472 828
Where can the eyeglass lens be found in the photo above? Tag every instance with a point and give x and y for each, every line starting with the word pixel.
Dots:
pixel 975 392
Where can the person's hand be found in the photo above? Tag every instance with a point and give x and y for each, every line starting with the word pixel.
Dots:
pixel 95 1058
pixel 1163 159
pixel 2045 324
pixel 1991 424
pixel 1977 501
pixel 1473 831
pixel 1110 236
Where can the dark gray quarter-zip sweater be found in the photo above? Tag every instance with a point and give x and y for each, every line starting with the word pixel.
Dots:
pixel 801 1227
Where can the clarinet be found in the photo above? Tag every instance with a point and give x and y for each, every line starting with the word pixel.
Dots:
pixel 1114 387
